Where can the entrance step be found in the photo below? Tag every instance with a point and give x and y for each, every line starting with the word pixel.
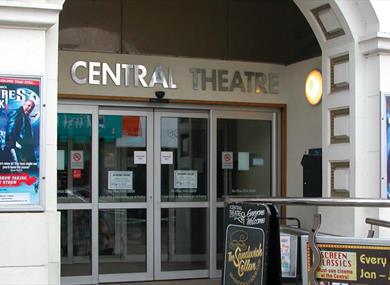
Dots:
pixel 174 282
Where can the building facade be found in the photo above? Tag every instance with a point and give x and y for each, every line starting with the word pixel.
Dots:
pixel 138 152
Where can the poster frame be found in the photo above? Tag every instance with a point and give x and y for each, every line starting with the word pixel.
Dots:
pixel 336 240
pixel 294 252
pixel 40 206
pixel 385 144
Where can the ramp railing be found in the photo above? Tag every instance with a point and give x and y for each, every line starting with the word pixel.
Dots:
pixel 331 202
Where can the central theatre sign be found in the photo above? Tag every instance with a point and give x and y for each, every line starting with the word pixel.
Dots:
pixel 137 75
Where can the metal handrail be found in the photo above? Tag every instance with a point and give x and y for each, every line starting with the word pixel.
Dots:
pixel 336 202
pixel 298 221
pixel 301 232
pixel 376 222
pixel 332 202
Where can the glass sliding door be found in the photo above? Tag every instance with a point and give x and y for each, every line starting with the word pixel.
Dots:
pixel 76 181
pixel 141 191
pixel 244 165
pixel 125 196
pixel 181 195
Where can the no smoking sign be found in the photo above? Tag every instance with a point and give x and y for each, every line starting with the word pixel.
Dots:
pixel 76 159
pixel 227 160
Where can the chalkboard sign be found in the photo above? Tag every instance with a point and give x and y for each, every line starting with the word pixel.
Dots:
pixel 351 261
pixel 251 240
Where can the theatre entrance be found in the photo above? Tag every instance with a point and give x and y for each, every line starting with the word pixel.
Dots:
pixel 141 190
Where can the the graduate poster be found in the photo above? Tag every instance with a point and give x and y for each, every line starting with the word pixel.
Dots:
pixel 19 141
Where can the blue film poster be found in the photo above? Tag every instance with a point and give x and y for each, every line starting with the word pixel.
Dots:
pixel 19 141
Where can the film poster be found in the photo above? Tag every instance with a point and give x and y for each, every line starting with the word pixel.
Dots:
pixel 349 264
pixel 19 141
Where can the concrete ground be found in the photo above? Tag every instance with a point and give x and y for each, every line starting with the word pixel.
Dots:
pixel 175 282
pixel 181 282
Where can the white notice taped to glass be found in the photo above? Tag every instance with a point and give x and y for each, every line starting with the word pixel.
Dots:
pixel 120 180
pixel 60 159
pixel 166 157
pixel 185 179
pixel 139 157
pixel 243 161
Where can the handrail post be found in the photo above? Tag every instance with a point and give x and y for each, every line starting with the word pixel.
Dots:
pixel 315 250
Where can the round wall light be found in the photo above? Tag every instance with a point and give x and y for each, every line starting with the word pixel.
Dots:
pixel 313 87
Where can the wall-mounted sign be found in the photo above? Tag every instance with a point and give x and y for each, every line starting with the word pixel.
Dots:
pixel 20 117
pixel 223 80
pixel 138 75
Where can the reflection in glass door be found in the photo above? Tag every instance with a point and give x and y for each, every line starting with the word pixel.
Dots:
pixel 181 195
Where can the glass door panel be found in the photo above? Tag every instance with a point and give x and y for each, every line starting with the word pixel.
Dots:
pixel 181 195
pixel 125 197
pixel 244 158
pixel 76 179
pixel 122 241
pixel 74 158
pixel 184 159
pixel 244 165
pixel 122 158
pixel 76 243
pixel 183 239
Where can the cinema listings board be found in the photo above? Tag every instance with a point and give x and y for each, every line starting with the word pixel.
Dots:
pixel 352 261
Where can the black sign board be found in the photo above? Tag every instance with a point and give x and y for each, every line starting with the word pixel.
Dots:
pixel 251 241
pixel 353 264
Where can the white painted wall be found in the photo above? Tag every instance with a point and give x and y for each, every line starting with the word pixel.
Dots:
pixel 304 131
pixel 29 242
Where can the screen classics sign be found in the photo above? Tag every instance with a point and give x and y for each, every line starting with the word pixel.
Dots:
pixel 137 75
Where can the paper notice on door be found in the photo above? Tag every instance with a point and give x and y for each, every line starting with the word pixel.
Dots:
pixel 60 159
pixel 243 161
pixel 166 157
pixel 227 160
pixel 139 157
pixel 120 180
pixel 185 179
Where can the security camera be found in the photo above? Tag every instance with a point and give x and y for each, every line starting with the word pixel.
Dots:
pixel 160 94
